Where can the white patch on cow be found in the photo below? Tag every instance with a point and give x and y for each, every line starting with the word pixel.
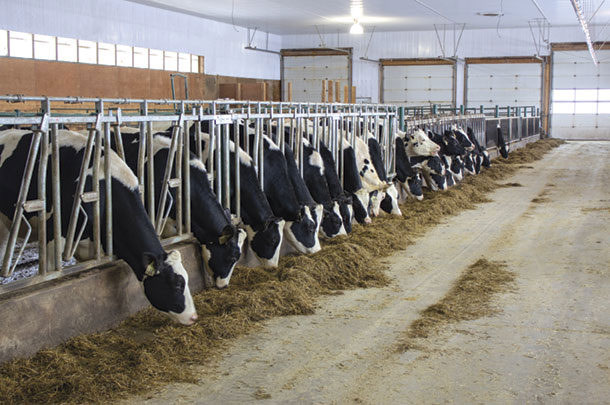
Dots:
pixel 315 159
pixel 376 203
pixel 393 193
pixel 118 168
pixel 418 144
pixel 9 139
pixel 337 210
pixel 272 145
pixel 319 212
pixel 370 180
pixel 364 197
pixel 219 281
pixel 273 262
pixel 189 315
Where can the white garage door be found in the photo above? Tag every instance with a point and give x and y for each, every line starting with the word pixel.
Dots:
pixel 503 84
pixel 306 74
pixel 417 85
pixel 581 95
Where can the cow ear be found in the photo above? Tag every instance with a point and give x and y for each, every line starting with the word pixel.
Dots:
pixel 227 234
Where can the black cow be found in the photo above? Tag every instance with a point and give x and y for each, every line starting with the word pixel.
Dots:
pixel 162 274
pixel 221 241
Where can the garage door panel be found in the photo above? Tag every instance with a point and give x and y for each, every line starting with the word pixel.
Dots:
pixel 435 83
pixel 306 74
pixel 504 84
pixel 575 70
pixel 418 84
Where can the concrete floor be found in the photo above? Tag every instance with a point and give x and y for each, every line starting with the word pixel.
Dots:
pixel 551 343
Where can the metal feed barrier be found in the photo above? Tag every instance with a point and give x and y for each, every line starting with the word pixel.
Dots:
pixel 101 117
pixel 514 128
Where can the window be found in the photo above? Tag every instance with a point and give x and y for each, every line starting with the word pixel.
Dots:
pixel 87 51
pixel 156 59
pixel 3 42
pixel 171 61
pixel 66 49
pixel 105 54
pixel 140 57
pixel 20 44
pixel 124 56
pixel 194 63
pixel 581 101
pixel 184 62
pixel 44 47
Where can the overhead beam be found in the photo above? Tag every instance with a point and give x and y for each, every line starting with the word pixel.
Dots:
pixel 585 27
pixel 253 48
pixel 504 59
pixel 316 51
pixel 415 61
pixel 578 46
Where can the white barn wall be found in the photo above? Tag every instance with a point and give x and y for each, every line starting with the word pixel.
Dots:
pixel 424 44
pixel 127 23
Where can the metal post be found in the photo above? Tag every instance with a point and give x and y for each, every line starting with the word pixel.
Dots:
pixel 55 176
pixel 108 189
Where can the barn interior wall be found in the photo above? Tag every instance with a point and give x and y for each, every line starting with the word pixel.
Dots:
pixel 62 79
pixel 424 44
pixel 129 23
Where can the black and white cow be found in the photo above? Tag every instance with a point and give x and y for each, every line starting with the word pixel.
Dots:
pixel 450 152
pixel 502 143
pixel 389 203
pixel 221 240
pixel 409 180
pixel 301 229
pixel 352 183
pixel 264 229
pixel 163 277
pixel 315 179
pixel 304 233
pixel 483 157
pixel 336 189
pixel 432 170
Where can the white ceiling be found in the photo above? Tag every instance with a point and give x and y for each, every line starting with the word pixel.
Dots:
pixel 301 16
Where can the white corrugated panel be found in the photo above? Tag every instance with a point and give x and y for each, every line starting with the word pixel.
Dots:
pixel 418 84
pixel 585 87
pixel 507 84
pixel 306 74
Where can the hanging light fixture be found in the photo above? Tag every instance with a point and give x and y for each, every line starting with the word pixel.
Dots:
pixel 356 28
pixel 356 10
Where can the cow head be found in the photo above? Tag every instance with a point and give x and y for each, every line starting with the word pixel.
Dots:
pixel 360 204
pixel 462 137
pixel 375 201
pixel 347 214
pixel 266 243
pixel 457 168
pixel 418 144
pixel 165 283
pixel 415 187
pixel 221 256
pixel 389 203
pixel 469 163
pixel 332 223
pixel 303 234
pixel 452 146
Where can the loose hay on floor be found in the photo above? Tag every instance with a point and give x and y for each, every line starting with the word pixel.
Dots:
pixel 147 351
pixel 471 297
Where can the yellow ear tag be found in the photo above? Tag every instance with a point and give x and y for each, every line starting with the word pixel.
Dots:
pixel 150 271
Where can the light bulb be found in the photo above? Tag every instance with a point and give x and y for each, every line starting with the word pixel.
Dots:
pixel 356 29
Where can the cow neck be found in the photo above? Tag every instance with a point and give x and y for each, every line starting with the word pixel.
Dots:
pixel 133 233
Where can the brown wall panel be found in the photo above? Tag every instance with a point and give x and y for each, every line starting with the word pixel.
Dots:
pixel 62 79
